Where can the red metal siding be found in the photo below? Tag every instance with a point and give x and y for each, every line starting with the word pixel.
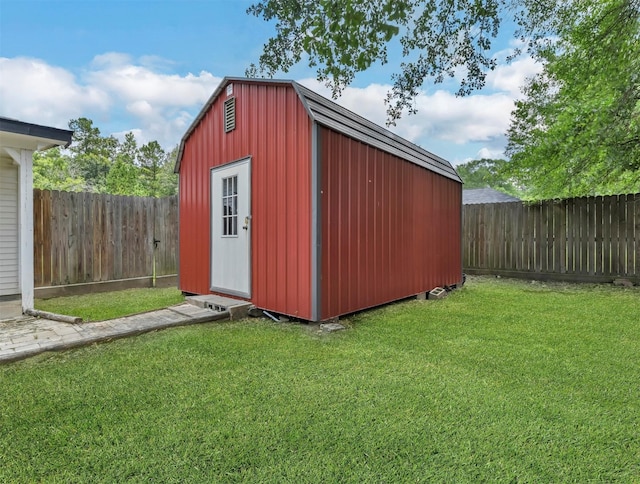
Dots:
pixel 273 128
pixel 390 229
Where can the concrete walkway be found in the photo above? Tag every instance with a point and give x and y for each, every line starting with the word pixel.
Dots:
pixel 27 336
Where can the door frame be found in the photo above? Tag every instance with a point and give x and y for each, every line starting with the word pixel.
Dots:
pixel 224 290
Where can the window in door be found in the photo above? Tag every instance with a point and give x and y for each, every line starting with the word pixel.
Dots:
pixel 230 206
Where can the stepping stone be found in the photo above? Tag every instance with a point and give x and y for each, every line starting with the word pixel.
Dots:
pixel 331 327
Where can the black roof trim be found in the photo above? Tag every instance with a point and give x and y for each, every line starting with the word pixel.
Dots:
pixel 9 125
pixel 333 116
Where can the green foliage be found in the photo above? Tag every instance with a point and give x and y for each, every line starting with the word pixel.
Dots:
pixel 487 173
pixel 92 153
pixel 542 387
pixel 577 132
pixel 167 179
pixel 96 163
pixel 128 149
pixel 52 170
pixel 123 179
pixel 156 170
pixel 151 157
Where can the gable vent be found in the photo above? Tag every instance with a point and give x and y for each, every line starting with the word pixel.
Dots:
pixel 230 114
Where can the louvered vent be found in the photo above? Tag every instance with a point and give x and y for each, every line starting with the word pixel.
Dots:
pixel 230 114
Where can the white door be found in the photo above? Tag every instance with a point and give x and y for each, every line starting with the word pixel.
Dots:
pixel 9 244
pixel 231 228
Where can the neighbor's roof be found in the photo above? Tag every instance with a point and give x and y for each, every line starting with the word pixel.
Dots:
pixel 485 195
pixel 20 134
pixel 331 115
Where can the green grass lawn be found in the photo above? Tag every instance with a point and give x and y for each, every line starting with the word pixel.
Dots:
pixel 110 305
pixel 501 381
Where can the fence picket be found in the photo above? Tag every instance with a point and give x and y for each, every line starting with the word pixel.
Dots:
pixel 623 237
pixel 476 235
pixel 38 252
pixel 615 234
pixel 598 237
pixel 582 242
pixel 519 248
pixel 548 236
pixel 562 236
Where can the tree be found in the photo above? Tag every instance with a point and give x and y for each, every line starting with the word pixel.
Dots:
pixel 92 153
pixel 168 180
pixel 487 173
pixel 152 158
pixel 577 132
pixel 124 174
pixel 52 171
pixel 127 151
pixel 123 179
pixel 439 39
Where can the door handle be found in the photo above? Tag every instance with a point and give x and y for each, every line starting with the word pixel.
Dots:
pixel 246 223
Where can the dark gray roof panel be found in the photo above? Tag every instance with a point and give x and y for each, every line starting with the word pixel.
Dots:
pixel 485 195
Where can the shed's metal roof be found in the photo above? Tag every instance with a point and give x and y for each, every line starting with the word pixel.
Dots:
pixel 485 195
pixel 331 115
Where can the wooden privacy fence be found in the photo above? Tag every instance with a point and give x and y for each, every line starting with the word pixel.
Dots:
pixel 581 239
pixel 86 237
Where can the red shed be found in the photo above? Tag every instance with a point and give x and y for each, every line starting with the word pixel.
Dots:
pixel 307 209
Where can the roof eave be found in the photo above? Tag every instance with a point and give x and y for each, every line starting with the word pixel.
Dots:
pixel 51 136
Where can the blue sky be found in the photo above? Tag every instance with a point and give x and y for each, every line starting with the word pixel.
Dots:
pixel 148 66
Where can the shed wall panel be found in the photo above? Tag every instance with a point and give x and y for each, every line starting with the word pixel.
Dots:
pixel 390 229
pixel 273 128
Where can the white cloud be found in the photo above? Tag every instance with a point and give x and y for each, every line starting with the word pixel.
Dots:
pixel 110 58
pixel 462 120
pixel 133 82
pixel 136 132
pixel 156 62
pixel 489 153
pixel 510 78
pixel 32 90
pixel 159 106
pixel 162 105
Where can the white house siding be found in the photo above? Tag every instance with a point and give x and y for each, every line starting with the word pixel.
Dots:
pixel 9 244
